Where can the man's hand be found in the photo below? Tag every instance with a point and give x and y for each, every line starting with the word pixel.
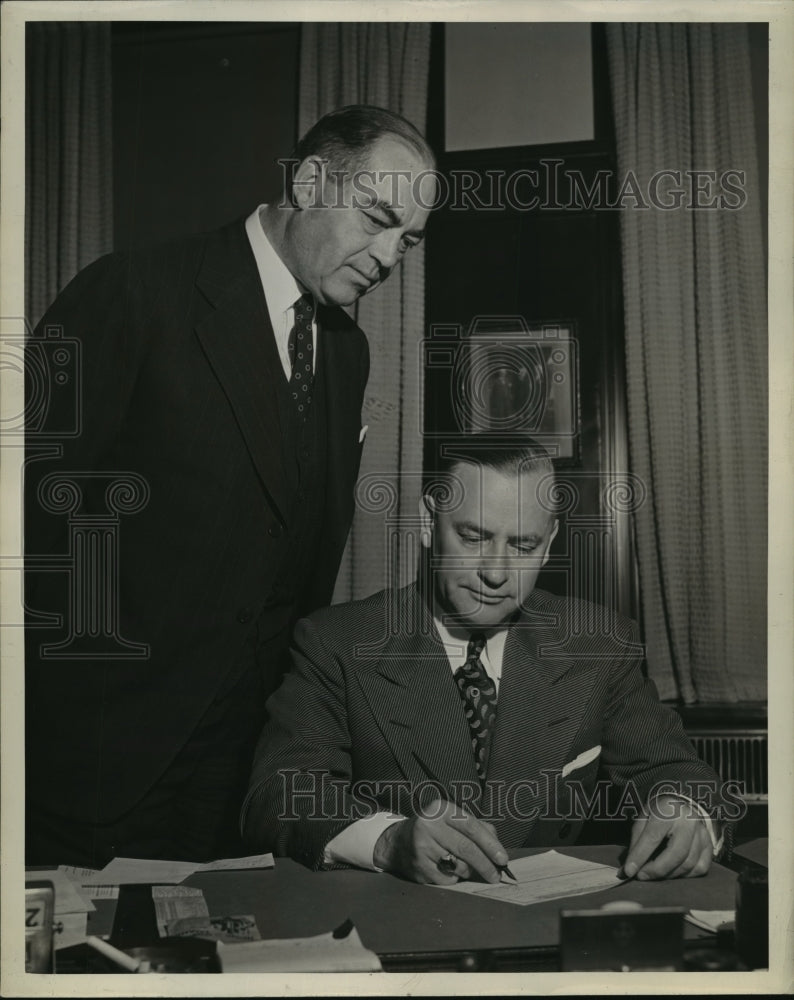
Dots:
pixel 688 851
pixel 413 847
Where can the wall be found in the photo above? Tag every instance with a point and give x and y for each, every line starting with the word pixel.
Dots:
pixel 517 84
pixel 201 114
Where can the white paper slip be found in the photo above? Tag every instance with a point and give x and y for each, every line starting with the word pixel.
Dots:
pixel 542 877
pixel 140 871
pixel 69 898
pixel 238 864
pixel 137 871
pixel 75 873
pixel 100 891
pixel 176 904
pixel 338 951
pixel 710 920
pixel 78 876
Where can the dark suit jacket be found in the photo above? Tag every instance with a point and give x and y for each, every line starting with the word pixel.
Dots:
pixel 371 698
pixel 176 371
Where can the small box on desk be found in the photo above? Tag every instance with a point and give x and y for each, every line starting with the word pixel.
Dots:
pixel 622 940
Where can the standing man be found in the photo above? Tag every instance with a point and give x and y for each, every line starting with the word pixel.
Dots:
pixel 219 405
pixel 427 730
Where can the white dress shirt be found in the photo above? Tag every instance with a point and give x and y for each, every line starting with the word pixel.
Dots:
pixel 281 289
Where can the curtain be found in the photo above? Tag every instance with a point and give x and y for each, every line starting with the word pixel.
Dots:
pixel 68 163
pixel 695 312
pixel 386 65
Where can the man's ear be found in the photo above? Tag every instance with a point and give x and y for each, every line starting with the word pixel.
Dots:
pixel 426 517
pixel 308 183
pixel 552 535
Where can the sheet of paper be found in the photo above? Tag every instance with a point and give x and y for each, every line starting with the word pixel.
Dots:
pixel 238 864
pixel 543 877
pixel 176 907
pixel 181 911
pixel 139 871
pixel 136 871
pixel 77 875
pixel 322 953
pixel 710 920
pixel 68 897
pixel 100 891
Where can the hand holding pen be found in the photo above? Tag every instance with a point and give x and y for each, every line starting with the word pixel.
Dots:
pixel 445 844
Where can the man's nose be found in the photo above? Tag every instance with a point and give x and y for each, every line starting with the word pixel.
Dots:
pixel 493 572
pixel 386 251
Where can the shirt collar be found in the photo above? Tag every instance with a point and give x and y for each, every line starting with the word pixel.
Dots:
pixel 455 642
pixel 279 284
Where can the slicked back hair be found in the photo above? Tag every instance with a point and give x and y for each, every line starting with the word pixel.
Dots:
pixel 490 451
pixel 344 137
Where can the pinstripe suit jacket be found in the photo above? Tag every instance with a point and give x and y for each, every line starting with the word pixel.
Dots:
pixel 371 700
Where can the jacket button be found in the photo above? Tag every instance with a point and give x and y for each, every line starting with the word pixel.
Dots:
pixel 565 829
pixel 244 615
pixel 274 531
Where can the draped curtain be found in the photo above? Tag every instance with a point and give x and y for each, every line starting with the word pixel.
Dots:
pixel 696 350
pixel 68 163
pixel 386 65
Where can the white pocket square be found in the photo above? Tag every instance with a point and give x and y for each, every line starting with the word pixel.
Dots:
pixel 363 433
pixel 582 760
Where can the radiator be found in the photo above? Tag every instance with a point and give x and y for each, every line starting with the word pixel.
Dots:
pixel 737 756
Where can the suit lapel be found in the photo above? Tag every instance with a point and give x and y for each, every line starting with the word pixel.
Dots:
pixel 542 696
pixel 413 697
pixel 237 338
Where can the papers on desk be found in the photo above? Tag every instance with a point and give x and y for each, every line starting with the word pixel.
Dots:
pixel 71 908
pixel 181 911
pixel 77 876
pixel 338 951
pixel 543 877
pixel 137 871
pixel 69 897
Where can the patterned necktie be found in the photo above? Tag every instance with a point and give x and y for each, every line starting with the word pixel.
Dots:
pixel 300 347
pixel 479 699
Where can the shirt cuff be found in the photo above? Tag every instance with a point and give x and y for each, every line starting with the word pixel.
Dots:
pixel 716 844
pixel 355 845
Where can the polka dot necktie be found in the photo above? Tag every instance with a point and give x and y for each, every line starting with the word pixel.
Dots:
pixel 300 347
pixel 478 692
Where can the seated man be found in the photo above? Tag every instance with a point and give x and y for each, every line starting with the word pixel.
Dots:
pixel 426 730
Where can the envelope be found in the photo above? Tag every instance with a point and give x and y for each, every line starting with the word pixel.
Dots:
pixel 584 758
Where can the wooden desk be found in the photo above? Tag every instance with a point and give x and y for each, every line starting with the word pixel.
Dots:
pixel 419 927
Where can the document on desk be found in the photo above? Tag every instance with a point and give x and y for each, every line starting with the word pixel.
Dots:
pixel 542 877
pixel 253 861
pixel 141 871
pixel 78 876
pixel 69 897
